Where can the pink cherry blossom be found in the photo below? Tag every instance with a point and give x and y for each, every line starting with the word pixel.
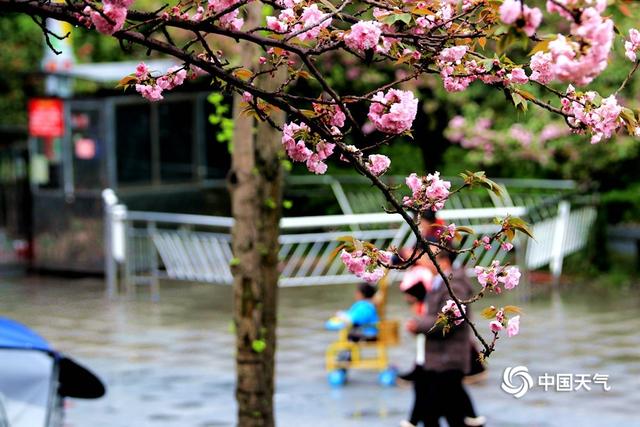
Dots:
pixel 276 25
pixel 451 310
pixel 364 35
pixel 532 18
pixel 296 140
pixel 384 256
pixel 364 266
pixel 378 164
pixel 331 115
pixel 324 149
pixel 506 246
pixel 150 92
pixel 300 152
pixel 246 96
pixel 486 277
pixel 495 274
pixel 453 54
pixel 580 57
pixel 428 192
pixel 112 18
pixel 142 71
pixel 510 277
pixel 517 76
pixel 513 326
pixel 495 326
pixel 601 121
pixel 510 11
pixel 632 45
pixel 394 111
pixel 314 19
pixel 541 67
pixel 414 183
pixel 373 276
pixel 356 263
pixel 229 20
pixel 316 165
pixel 447 232
pixel 197 17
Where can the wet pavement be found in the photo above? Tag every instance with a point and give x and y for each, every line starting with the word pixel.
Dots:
pixel 171 363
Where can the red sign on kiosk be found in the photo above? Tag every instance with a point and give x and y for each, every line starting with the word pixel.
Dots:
pixel 46 117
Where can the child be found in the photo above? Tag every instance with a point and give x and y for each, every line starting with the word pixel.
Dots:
pixel 362 316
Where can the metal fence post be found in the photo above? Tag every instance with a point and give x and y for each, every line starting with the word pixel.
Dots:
pixel 155 283
pixel 557 249
pixel 110 267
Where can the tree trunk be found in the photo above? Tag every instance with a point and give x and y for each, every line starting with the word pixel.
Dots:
pixel 255 183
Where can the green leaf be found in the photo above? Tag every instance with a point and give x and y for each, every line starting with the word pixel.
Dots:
pixel 395 17
pixel 346 239
pixel 215 98
pixel 489 312
pixel 258 345
pixel 234 261
pixel 519 101
pixel 126 81
pixel 243 74
pixel 287 204
pixel 464 229
pixel 270 203
pixel 334 253
pixel 329 5
pixel 512 309
pixel 541 46
pixel 520 225
pixel 309 113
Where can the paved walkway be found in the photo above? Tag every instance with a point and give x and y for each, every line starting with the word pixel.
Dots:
pixel 171 364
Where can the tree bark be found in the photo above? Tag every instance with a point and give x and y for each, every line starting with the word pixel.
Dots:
pixel 255 183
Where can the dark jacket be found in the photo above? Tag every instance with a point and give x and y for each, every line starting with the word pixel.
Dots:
pixel 451 351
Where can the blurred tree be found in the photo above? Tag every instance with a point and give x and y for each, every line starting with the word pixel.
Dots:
pixel 20 56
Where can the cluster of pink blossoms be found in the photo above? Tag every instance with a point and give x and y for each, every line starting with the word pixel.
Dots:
pixel 485 242
pixel 495 275
pixel 601 122
pixel 581 57
pixel 394 111
pixel 294 138
pixel 330 115
pixel 428 192
pixel 457 73
pixel 451 310
pixel 288 21
pixel 366 265
pixel 378 164
pixel 364 35
pixel 151 88
pixel 527 18
pixel 114 13
pixel 632 45
pixel 449 60
pixel 228 20
pixel 512 325
pixel 442 17
pixel 446 232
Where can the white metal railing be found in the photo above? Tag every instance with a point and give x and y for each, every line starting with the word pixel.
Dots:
pixel 143 247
